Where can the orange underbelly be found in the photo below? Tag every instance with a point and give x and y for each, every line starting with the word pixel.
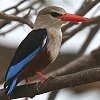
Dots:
pixel 38 63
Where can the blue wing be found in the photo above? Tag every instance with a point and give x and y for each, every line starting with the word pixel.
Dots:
pixel 26 51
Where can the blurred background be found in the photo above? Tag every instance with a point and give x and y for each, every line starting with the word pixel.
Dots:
pixel 86 40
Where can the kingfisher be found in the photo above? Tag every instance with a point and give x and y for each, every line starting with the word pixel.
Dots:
pixel 40 47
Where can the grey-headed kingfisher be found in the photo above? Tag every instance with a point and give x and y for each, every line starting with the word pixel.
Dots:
pixel 40 47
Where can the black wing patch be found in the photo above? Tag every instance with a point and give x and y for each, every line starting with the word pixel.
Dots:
pixel 33 40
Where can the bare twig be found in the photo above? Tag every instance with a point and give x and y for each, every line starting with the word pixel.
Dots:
pixel 11 29
pixel 15 6
pixel 4 23
pixel 15 18
pixel 92 33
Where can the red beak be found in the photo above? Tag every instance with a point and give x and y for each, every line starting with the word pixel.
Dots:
pixel 73 18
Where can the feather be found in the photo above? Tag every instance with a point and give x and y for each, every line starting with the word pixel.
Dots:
pixel 16 68
pixel 13 85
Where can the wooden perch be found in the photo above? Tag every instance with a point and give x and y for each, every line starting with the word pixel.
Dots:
pixel 54 83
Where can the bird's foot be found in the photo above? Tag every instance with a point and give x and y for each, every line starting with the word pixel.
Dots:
pixel 44 78
pixel 43 81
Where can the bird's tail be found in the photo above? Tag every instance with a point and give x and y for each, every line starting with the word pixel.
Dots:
pixel 10 86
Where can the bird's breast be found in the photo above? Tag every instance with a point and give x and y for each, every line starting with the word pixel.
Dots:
pixel 54 45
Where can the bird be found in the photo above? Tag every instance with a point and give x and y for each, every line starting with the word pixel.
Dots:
pixel 40 47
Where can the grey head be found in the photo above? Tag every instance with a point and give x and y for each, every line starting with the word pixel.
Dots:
pixel 53 11
pixel 49 16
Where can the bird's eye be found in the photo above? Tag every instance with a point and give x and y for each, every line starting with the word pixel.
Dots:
pixel 55 14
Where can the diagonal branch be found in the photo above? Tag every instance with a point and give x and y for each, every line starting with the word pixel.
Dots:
pixel 91 35
pixel 11 29
pixel 15 6
pixel 4 23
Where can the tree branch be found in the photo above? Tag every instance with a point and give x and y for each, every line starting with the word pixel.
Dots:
pixel 15 6
pixel 17 10
pixel 11 29
pixel 15 18
pixel 90 36
pixel 54 83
